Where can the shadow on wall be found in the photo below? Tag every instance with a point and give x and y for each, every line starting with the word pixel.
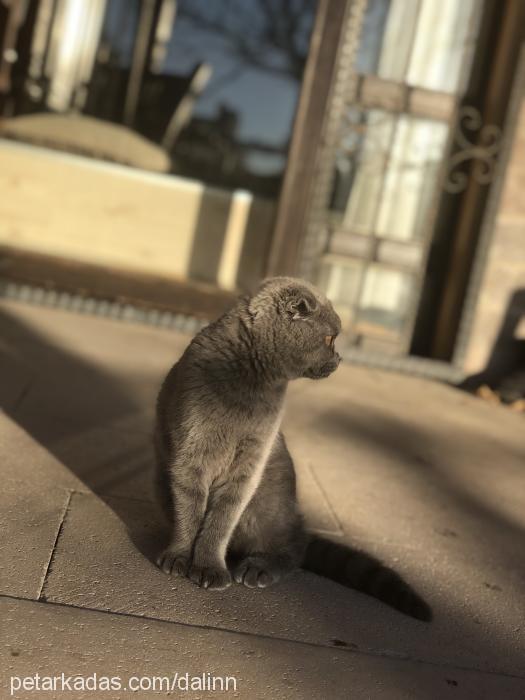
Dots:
pixel 505 370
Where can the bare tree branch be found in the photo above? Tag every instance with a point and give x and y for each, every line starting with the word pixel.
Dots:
pixel 270 25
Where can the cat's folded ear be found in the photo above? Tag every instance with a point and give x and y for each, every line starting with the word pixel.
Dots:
pixel 301 307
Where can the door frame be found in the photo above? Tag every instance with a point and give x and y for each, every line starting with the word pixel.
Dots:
pixel 495 87
pixel 315 110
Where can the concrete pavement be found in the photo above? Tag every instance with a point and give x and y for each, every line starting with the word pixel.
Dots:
pixel 429 479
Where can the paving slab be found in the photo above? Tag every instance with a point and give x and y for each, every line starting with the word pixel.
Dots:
pixel 319 515
pixel 115 458
pixel 52 640
pixel 33 498
pixel 29 464
pixel 30 523
pixel 397 471
pixel 15 377
pixel 92 391
pixel 87 371
pixel 103 560
pixel 427 478
pixel 102 340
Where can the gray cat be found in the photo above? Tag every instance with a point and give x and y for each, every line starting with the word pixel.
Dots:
pixel 225 477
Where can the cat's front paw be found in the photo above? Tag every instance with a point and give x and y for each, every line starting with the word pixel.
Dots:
pixel 211 577
pixel 173 562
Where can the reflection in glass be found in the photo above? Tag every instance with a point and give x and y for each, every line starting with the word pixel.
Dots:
pixel 199 89
pixel 423 43
pixel 384 300
pixel 242 122
pixel 410 178
pixel 341 278
pixel 211 85
pixel 365 195
pixel 387 170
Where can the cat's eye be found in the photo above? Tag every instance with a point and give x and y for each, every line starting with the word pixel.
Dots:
pixel 329 341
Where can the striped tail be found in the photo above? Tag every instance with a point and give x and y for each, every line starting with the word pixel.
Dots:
pixel 362 572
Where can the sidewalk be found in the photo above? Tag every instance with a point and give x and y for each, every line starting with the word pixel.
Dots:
pixel 430 480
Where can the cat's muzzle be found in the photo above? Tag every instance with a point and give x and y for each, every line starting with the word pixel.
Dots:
pixel 324 370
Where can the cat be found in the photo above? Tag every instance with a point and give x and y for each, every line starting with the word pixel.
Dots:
pixel 225 477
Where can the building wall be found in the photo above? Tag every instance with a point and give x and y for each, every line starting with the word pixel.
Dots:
pixel 81 209
pixel 505 270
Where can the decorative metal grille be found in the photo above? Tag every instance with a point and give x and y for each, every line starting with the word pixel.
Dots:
pixel 477 142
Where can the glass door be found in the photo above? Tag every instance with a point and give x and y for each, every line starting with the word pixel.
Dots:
pixel 395 126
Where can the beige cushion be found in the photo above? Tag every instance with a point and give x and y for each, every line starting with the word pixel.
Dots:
pixel 87 136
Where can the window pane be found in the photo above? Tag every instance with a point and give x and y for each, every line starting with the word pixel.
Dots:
pixel 410 178
pixel 241 124
pixel 423 43
pixel 200 94
pixel 384 300
pixel 340 278
pixel 365 194
pixel 212 86
pixel 387 172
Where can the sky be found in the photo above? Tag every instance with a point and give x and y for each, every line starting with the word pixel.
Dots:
pixel 264 100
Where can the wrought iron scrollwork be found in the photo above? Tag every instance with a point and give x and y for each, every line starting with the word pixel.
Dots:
pixel 483 151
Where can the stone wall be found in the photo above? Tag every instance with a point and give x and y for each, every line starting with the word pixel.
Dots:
pixel 504 274
pixel 124 218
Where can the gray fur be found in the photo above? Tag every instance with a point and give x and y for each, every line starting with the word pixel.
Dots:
pixel 225 476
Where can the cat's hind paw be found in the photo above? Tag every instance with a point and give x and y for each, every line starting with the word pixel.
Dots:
pixel 256 572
